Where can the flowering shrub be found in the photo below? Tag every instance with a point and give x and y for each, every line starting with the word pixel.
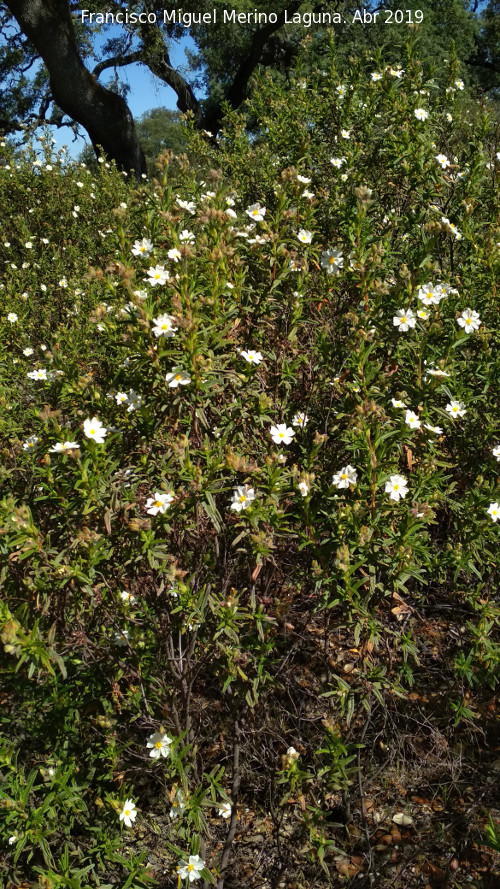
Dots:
pixel 250 454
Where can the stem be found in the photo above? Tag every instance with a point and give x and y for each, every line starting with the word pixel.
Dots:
pixel 235 789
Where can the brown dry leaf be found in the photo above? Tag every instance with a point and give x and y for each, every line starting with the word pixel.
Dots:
pixel 401 611
pixel 409 457
pixel 437 874
pixel 368 805
pixel 437 805
pixel 256 571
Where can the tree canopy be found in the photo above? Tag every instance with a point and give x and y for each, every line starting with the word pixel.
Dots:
pixel 61 63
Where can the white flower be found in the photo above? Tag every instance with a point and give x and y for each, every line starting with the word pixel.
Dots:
pixel 143 247
pixel 157 275
pixel 127 598
pixel 191 868
pixel 395 72
pixel 442 161
pixel 304 236
pixel 411 420
pixel 341 90
pixel 496 452
pixel 163 326
pixel 40 374
pixel 12 317
pixel 422 314
pixel 375 75
pixel 301 420
pixel 256 212
pixel 178 805
pixel 347 476
pixel 396 487
pixel 292 755
pixel 469 320
pixel 308 194
pixel 346 134
pixel 404 319
pixel 186 237
pixel 129 813
pixel 159 503
pixel 421 114
pixel 230 212
pixel 459 84
pixel 436 372
pixel 189 206
pixel 121 398
pixel 281 434
pixel 451 227
pixel 174 254
pixel 303 488
pixel 224 811
pixel 30 442
pixel 440 291
pixel 177 377
pixel 61 447
pixel 456 409
pixel 332 260
pixel 396 402
pixel 242 497
pixel 28 351
pixel 159 744
pixel 134 401
pixel 251 356
pixel 337 162
pixel 94 429
pixel 12 840
pixel 304 179
pixel 494 511
pixel 449 118
pixel 436 429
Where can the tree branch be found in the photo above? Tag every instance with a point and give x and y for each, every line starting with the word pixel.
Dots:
pixel 117 62
pixel 106 116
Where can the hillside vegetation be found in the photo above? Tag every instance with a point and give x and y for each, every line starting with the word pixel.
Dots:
pixel 250 509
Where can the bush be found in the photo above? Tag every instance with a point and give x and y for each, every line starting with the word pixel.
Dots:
pixel 249 529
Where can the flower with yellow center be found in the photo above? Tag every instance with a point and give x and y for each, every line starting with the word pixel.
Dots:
pixel 159 503
pixel 94 429
pixel 191 868
pixel 129 812
pixel 159 745
pixel 396 487
pixel 177 377
pixel 494 511
pixel 347 476
pixel 242 497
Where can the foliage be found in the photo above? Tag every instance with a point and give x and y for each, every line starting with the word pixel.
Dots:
pixel 235 569
pixel 227 45
pixel 159 130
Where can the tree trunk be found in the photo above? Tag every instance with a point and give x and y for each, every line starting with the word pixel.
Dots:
pixel 105 116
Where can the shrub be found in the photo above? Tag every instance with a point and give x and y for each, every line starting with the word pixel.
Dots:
pixel 250 527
